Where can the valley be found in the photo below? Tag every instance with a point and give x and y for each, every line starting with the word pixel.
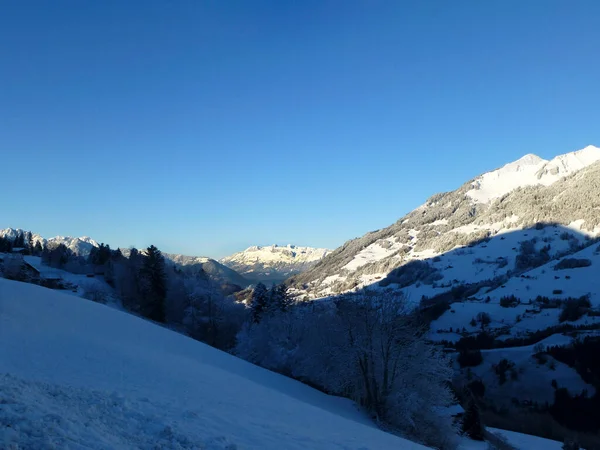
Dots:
pixel 502 271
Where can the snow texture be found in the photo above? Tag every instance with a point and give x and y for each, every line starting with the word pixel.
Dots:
pixel 80 375
pixel 530 170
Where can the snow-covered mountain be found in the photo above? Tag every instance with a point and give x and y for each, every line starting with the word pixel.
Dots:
pixel 530 170
pixel 274 263
pixel 529 191
pixel 12 233
pixel 78 245
pixel 505 264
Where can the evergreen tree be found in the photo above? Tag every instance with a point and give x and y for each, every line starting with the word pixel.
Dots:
pixel 471 424
pixel 154 286
pixel 104 254
pixel 99 255
pixel 259 302
pixel 5 245
pixel 127 279
pixel 28 243
pixel 116 255
pixel 278 299
pixel 45 255
pixel 37 249
pixel 93 256
pixel 59 256
pixel 109 272
pixel 19 240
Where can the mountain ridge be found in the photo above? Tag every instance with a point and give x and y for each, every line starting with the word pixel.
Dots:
pixel 530 170
pixel 274 263
pixel 454 219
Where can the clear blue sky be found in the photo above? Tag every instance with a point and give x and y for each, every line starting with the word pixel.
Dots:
pixel 207 126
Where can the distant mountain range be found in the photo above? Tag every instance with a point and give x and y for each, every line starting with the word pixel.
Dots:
pixel 271 264
pixel 212 267
pixel 78 245
pixel 274 263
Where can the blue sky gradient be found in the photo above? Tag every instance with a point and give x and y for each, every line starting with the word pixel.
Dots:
pixel 204 127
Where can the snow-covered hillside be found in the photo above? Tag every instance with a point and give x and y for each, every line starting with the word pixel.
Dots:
pixel 530 170
pixel 274 263
pixel 471 235
pixel 81 375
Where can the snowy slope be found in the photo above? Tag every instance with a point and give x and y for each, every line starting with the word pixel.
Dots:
pixel 274 262
pixel 527 317
pixel 81 375
pixel 547 281
pixel 534 381
pixel 451 230
pixel 530 170
pixel 494 184
pixel 518 441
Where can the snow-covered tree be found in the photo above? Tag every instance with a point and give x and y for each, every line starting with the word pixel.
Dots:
pixel 278 298
pixel 259 302
pixel 364 346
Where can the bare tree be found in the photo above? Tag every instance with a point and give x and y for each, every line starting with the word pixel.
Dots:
pixel 368 347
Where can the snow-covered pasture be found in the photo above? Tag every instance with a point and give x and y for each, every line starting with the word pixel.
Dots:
pixel 78 374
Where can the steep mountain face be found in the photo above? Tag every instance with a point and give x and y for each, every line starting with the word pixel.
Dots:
pixel 214 269
pixel 80 246
pixel 274 263
pixel 565 191
pixel 12 233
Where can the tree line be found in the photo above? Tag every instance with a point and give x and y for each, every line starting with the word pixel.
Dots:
pixel 366 346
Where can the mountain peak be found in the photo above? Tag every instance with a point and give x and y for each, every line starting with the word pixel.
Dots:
pixel 530 170
pixel 590 148
pixel 529 159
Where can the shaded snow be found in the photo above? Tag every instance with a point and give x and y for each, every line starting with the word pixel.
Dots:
pixel 525 442
pixel 534 380
pixel 82 375
pixel 517 440
pixel 546 281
